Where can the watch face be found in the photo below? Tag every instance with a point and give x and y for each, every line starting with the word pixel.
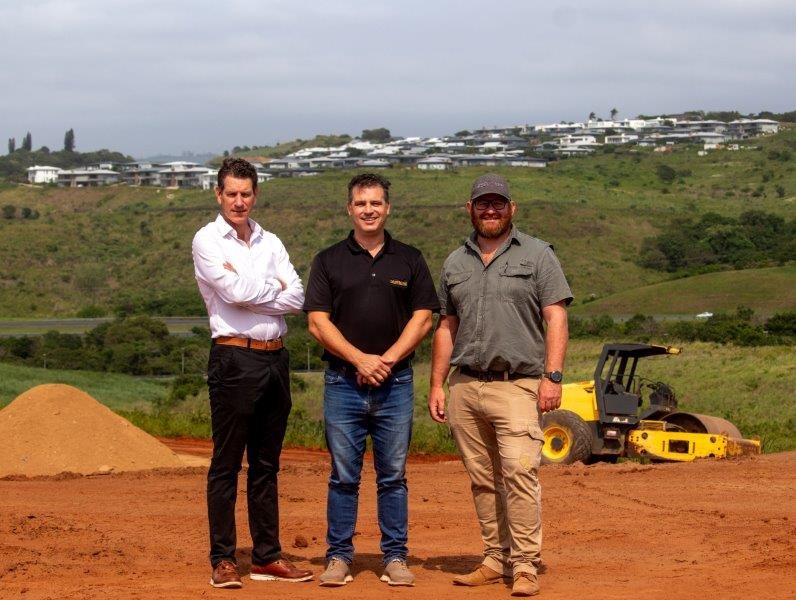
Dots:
pixel 556 376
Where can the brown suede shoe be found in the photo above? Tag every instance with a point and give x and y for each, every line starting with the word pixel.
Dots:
pixel 482 575
pixel 279 570
pixel 225 575
pixel 525 584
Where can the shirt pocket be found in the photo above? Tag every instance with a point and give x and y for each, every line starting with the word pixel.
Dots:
pixel 516 282
pixel 457 289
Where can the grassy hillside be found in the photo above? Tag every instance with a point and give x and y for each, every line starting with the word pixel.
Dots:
pixel 95 247
pixel 769 290
pixel 116 391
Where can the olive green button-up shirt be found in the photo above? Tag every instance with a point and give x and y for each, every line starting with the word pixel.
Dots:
pixel 499 306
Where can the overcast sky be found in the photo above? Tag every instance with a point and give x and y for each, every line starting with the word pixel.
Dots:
pixel 153 76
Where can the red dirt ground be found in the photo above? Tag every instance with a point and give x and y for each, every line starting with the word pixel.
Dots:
pixel 709 529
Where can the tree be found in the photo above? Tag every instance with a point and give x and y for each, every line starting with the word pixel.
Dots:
pixel 614 112
pixel 12 145
pixel 27 142
pixel 592 116
pixel 379 135
pixel 666 173
pixel 69 141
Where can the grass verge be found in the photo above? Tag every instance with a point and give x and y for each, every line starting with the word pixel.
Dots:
pixel 751 387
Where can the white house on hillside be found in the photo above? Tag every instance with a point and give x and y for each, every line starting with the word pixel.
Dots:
pixel 434 163
pixel 622 138
pixel 87 177
pixel 43 174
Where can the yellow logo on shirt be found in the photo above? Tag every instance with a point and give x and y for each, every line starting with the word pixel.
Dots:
pixel 399 283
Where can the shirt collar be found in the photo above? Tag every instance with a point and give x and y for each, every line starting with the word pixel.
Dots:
pixel 357 249
pixel 226 230
pixel 472 241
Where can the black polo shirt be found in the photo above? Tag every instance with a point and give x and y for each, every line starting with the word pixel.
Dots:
pixel 370 299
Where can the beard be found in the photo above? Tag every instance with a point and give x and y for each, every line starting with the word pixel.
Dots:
pixel 491 228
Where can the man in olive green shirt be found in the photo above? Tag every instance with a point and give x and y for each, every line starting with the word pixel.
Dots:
pixel 503 325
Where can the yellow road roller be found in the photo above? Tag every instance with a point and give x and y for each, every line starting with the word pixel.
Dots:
pixel 622 414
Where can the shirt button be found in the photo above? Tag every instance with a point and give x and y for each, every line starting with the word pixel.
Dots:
pixel 372 274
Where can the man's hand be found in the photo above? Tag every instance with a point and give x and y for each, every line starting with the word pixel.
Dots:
pixel 371 370
pixel 228 266
pixel 436 404
pixel 549 395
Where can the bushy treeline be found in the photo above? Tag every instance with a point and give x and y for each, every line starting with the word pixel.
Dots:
pixel 729 115
pixel 755 238
pixel 740 328
pixel 140 345
pixel 14 166
pixel 136 345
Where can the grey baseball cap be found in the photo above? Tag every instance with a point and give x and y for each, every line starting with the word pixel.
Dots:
pixel 490 184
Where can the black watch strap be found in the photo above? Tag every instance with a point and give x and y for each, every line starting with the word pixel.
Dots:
pixel 554 376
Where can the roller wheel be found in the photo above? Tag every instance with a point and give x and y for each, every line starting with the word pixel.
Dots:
pixel 567 438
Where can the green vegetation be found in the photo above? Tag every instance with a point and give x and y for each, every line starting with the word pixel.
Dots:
pixel 380 135
pixel 769 290
pixel 127 252
pixel 117 391
pixel 123 250
pixel 136 346
pixel 753 389
pixel 755 238
pixel 279 150
pixel 739 328
pixel 14 165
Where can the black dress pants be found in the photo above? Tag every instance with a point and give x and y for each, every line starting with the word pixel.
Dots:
pixel 249 404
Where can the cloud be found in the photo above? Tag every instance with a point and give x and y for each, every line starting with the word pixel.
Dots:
pixel 145 76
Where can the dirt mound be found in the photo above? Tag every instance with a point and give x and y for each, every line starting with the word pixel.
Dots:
pixel 55 428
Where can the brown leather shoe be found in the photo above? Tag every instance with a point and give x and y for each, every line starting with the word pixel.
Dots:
pixel 225 575
pixel 482 575
pixel 525 584
pixel 279 570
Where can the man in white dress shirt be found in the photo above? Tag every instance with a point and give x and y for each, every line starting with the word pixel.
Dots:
pixel 248 285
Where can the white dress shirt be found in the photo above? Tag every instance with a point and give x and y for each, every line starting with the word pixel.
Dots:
pixel 250 303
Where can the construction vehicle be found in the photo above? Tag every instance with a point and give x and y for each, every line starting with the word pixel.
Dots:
pixel 622 414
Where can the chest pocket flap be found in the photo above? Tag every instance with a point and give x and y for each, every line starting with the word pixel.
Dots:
pixel 516 282
pixel 520 270
pixel 457 278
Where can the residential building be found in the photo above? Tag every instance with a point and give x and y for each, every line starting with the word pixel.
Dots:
pixel 622 138
pixel 435 163
pixel 43 174
pixel 87 177
pixel 182 174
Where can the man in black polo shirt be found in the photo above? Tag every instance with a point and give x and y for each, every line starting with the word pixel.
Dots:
pixel 369 303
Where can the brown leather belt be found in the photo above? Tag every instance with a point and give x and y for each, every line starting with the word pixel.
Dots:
pixel 268 345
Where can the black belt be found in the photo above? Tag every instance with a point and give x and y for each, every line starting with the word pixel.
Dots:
pixel 349 370
pixel 491 375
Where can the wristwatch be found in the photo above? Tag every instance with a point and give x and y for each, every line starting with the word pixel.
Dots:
pixel 554 376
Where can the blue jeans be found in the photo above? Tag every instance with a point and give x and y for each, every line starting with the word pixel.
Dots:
pixel 351 413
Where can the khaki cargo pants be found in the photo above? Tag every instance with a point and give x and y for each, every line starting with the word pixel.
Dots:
pixel 496 427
